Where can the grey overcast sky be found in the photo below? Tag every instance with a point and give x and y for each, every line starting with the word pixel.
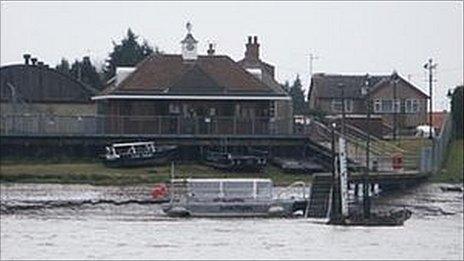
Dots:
pixel 348 37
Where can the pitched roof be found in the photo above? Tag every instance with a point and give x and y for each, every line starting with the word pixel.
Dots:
pixel 327 85
pixel 164 74
pixel 267 72
pixel 34 83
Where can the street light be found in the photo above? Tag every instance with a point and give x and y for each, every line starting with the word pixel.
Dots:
pixel 341 86
pixel 430 66
pixel 335 206
pixel 395 80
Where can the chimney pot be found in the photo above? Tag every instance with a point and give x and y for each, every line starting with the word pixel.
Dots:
pixel 249 39
pixel 26 58
pixel 40 63
pixel 255 39
pixel 34 61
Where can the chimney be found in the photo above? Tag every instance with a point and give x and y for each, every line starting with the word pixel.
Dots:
pixel 40 64
pixel 26 58
pixel 252 49
pixel 34 61
pixel 210 49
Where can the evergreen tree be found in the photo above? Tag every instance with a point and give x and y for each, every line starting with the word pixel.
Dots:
pixel 457 108
pixel 286 87
pixel 127 53
pixel 63 67
pixel 86 73
pixel 297 94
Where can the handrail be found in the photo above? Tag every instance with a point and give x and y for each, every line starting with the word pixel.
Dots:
pixel 294 184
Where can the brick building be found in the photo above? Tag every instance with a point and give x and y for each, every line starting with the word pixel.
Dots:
pixel 391 96
pixel 189 93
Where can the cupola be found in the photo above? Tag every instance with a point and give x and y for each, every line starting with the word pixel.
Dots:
pixel 189 45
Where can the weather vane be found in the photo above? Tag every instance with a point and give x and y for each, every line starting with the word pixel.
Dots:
pixel 189 27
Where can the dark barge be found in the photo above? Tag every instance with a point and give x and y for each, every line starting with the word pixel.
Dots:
pixel 252 160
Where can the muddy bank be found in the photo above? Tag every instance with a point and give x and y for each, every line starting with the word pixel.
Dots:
pixel 96 173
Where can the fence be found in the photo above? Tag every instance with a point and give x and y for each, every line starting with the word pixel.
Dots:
pixel 441 144
pixel 85 125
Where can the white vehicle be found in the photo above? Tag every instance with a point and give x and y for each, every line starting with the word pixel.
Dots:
pixel 424 131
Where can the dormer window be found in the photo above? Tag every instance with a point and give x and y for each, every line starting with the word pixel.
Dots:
pixel 256 72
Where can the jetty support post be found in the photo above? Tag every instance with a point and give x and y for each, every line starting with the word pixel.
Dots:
pixel 335 213
pixel 366 199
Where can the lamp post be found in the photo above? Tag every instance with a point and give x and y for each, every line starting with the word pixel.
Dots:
pixel 430 66
pixel 341 87
pixel 366 198
pixel 394 79
pixel 335 206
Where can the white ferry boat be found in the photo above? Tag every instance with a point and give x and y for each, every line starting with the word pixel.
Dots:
pixel 227 198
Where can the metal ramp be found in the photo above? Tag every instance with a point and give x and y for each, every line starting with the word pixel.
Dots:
pixel 320 196
pixel 380 150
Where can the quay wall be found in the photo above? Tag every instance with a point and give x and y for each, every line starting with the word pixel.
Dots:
pixel 190 148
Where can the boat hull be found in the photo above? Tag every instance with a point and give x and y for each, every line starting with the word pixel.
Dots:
pixel 230 209
pixel 238 163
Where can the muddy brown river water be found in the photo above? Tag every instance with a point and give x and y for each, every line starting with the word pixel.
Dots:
pixel 50 222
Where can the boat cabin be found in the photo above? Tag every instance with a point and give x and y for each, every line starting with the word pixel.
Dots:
pixel 119 150
pixel 227 189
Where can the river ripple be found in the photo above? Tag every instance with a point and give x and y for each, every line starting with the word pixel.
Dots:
pixel 141 231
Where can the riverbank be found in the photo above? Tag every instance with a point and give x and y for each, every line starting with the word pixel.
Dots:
pixel 95 173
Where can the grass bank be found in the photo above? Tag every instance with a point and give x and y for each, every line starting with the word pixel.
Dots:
pixel 78 172
pixel 453 168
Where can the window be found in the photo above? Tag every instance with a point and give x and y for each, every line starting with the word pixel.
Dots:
pixel 238 189
pixel 411 105
pixel 397 105
pixel 174 108
pixel 377 105
pixel 272 109
pixel 387 105
pixel 337 105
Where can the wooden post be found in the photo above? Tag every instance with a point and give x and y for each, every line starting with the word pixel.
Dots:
pixel 253 125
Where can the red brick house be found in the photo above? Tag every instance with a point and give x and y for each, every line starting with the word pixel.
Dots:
pixel 189 93
pixel 410 105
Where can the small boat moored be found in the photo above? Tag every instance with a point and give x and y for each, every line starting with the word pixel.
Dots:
pixel 252 160
pixel 138 154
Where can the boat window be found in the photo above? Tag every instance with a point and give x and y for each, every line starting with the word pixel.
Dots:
pixel 204 190
pixel 237 189
pixel 263 190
